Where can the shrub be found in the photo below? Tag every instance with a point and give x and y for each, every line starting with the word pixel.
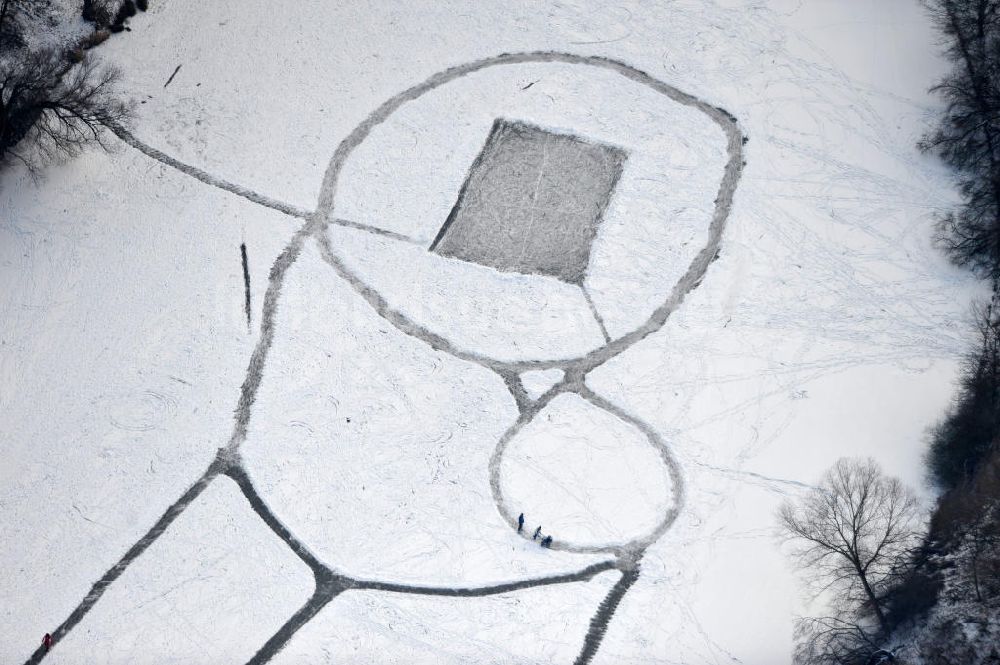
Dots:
pixel 17 17
pixel 125 11
pixel 93 39
pixel 964 437
pixel 917 592
pixel 99 12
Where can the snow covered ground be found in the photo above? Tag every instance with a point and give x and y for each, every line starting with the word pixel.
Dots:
pixel 401 408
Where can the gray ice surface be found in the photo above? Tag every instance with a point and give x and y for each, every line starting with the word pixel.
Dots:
pixel 532 202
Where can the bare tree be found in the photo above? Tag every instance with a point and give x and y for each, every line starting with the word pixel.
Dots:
pixel 58 107
pixel 968 136
pixel 854 534
pixel 51 104
pixel 109 13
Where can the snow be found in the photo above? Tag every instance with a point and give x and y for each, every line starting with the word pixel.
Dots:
pixel 588 477
pixel 503 315
pixel 122 341
pixel 217 575
pixel 398 629
pixel 374 449
pixel 52 24
pixel 656 222
pixel 538 381
pixel 829 325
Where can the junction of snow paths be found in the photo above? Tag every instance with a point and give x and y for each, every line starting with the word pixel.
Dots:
pixel 328 583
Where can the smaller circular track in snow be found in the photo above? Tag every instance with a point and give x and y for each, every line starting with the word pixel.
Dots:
pixel 587 477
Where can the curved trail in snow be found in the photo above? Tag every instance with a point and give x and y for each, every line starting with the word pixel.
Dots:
pixel 328 583
pixel 691 278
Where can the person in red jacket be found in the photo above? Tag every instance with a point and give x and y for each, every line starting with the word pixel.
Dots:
pixel 47 642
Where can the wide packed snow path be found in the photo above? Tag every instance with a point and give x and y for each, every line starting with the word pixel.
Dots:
pixel 329 582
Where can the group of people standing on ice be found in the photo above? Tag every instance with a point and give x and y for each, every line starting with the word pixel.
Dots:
pixel 546 541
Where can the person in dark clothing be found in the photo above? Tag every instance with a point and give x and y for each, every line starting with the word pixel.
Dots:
pixel 520 522
pixel 538 532
pixel 47 642
pixel 547 541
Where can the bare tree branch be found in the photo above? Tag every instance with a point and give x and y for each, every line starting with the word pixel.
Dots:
pixel 50 108
pixel 854 534
pixel 968 136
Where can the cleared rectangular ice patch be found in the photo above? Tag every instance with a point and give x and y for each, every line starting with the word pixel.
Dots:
pixel 532 202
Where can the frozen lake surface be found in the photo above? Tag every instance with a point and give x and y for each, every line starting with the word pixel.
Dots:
pixel 637 271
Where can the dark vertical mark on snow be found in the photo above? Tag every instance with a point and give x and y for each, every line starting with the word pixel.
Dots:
pixel 133 553
pixel 255 370
pixel 172 76
pixel 606 610
pixel 246 282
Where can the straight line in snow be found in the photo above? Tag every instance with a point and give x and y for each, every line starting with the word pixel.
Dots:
pixel 246 283
pixel 172 76
pixel 205 176
pixel 246 192
pixel 491 590
pixel 602 618
pixel 757 476
pixel 597 315
pixel 113 573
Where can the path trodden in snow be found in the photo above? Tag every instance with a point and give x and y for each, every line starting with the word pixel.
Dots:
pixel 537 382
pixel 395 418
pixel 541 625
pixel 593 480
pixel 419 520
pixel 217 575
pixel 392 441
